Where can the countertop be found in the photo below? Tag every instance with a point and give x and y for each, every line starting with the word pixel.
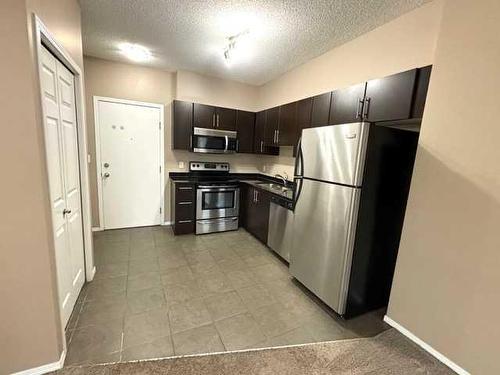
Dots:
pixel 253 179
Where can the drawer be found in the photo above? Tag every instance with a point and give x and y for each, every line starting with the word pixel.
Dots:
pixel 184 226
pixel 184 192
pixel 184 210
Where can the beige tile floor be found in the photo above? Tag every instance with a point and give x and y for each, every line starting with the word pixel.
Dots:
pixel 158 295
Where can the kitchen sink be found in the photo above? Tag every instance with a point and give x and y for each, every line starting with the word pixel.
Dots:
pixel 276 187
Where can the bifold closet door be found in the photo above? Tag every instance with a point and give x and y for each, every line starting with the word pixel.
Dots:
pixel 61 144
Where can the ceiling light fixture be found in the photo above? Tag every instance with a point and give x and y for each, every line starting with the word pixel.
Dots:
pixel 233 48
pixel 135 52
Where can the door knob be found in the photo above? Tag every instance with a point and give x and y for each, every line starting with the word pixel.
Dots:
pixel 66 212
pixel 106 175
pixel 106 165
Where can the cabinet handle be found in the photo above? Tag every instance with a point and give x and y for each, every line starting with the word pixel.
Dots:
pixel 360 108
pixel 184 221
pixel 213 120
pixel 261 145
pixel 256 196
pixel 184 203
pixel 217 120
pixel 277 136
pixel 274 138
pixel 367 107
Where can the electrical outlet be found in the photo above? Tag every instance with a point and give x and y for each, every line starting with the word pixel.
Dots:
pixel 181 165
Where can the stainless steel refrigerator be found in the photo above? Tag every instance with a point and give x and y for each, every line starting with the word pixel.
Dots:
pixel 339 251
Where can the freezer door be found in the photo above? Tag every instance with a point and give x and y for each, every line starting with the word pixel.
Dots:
pixel 335 153
pixel 323 237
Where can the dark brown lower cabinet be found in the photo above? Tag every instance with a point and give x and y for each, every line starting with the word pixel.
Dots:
pixel 255 211
pixel 182 207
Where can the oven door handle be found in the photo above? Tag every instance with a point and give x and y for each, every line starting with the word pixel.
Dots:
pixel 216 188
pixel 227 143
pixel 222 220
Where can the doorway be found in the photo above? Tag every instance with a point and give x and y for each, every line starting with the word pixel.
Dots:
pixel 129 157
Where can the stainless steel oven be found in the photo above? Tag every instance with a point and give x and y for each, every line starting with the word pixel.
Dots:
pixel 217 197
pixel 214 141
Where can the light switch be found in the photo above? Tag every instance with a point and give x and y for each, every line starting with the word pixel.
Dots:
pixel 181 165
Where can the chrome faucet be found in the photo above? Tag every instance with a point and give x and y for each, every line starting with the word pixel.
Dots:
pixel 284 179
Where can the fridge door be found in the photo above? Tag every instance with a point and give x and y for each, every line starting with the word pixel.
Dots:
pixel 334 153
pixel 323 238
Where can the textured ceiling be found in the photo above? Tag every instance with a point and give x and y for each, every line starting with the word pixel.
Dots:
pixel 191 34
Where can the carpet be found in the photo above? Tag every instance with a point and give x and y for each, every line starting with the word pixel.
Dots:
pixel 387 353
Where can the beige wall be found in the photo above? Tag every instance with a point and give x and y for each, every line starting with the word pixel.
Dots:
pixel 209 90
pixel 30 333
pixel 447 284
pixel 125 81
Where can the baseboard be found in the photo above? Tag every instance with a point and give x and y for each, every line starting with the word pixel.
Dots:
pixel 92 274
pixel 429 349
pixel 97 229
pixel 49 367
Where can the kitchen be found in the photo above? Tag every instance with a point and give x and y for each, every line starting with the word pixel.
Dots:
pixel 248 187
pixel 300 256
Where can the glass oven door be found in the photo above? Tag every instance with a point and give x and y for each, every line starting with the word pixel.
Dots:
pixel 217 202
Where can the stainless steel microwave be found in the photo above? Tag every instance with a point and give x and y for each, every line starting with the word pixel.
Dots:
pixel 213 141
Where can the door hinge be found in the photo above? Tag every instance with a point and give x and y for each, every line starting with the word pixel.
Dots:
pixel 160 168
pixel 160 210
pixel 159 125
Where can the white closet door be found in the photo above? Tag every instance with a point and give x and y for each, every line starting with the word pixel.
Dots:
pixel 130 164
pixel 61 143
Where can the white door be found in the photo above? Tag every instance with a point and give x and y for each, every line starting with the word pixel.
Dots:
pixel 130 158
pixel 61 143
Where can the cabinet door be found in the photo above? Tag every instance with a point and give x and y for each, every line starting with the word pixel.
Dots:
pixel 390 98
pixel 203 116
pixel 245 123
pixel 347 104
pixel 226 119
pixel 287 131
pixel 251 214
pixel 272 125
pixel 262 215
pixel 260 127
pixel 423 78
pixel 320 109
pixel 244 202
pixel 183 124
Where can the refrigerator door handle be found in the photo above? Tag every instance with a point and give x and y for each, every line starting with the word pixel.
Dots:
pixel 298 159
pixel 298 189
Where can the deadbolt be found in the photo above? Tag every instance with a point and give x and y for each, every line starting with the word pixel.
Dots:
pixel 106 175
pixel 106 165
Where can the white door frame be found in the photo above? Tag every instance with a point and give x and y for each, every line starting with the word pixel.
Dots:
pixel 97 99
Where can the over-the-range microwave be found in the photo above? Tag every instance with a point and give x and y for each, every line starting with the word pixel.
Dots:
pixel 213 141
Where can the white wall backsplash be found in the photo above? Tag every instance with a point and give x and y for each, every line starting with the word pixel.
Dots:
pixel 284 163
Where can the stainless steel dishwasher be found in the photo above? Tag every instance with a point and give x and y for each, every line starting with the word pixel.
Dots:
pixel 280 226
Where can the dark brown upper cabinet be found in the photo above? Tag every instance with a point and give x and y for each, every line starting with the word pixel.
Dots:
pixel 423 78
pixel 203 116
pixel 260 146
pixel 182 124
pixel 347 104
pixel 390 98
pixel 320 109
pixel 225 118
pixel 210 117
pixel 272 126
pixel 245 123
pixel 287 131
pixel 304 111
